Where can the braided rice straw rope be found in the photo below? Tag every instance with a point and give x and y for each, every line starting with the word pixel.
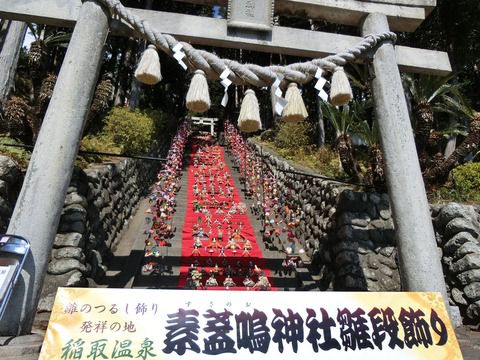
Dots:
pixel 245 74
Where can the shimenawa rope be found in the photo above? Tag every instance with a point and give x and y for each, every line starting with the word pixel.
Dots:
pixel 246 74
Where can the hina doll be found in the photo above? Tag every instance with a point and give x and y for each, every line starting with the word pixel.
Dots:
pixel 248 282
pixel 197 245
pixel 228 282
pixel 211 281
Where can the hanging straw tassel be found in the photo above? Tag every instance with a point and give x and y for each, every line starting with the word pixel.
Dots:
pixel 295 110
pixel 340 92
pixel 198 98
pixel 148 69
pixel 249 118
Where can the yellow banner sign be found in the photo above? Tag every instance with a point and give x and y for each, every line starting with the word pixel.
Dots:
pixel 143 324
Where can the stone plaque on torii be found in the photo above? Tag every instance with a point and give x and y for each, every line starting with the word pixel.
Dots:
pixel 38 208
pixel 254 15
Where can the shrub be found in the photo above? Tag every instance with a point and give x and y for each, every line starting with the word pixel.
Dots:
pixel 268 135
pixel 128 131
pixel 132 131
pixel 463 185
pixel 100 143
pixel 20 155
pixel 324 161
pixel 292 136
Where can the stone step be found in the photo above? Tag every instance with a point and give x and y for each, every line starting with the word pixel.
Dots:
pixel 16 347
pixel 273 258
pixel 23 357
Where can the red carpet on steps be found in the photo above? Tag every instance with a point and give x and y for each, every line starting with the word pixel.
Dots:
pixel 209 161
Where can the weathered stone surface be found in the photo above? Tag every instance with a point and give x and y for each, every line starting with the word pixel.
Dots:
pixel 331 212
pixel 472 291
pixel 370 274
pixel 468 262
pixel 51 284
pixel 389 284
pixel 460 225
pixel 72 213
pixel 4 189
pixel 373 262
pixel 385 214
pixel 360 222
pixel 69 239
pixel 455 316
pixel 387 251
pixel 75 198
pixel 375 198
pixel 452 211
pixel 458 297
pixel 469 276
pixel 46 303
pixel 76 226
pixel 74 208
pixel 9 170
pixel 467 248
pixel 386 271
pixel 76 279
pixel 69 252
pixel 473 311
pixel 388 262
pixel 456 241
pixel 354 283
pixel 350 269
pixel 62 266
pixel 347 232
pixel 354 246
pixel 347 257
pixel 5 208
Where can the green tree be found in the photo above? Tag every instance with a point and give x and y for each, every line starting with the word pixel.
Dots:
pixel 429 96
pixel 342 119
pixel 469 145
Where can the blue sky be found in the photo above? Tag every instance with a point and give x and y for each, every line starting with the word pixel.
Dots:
pixel 216 11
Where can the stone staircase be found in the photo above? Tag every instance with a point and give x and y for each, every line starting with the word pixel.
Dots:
pixel 124 272
pixel 171 255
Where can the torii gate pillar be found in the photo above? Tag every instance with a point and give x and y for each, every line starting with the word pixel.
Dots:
pixel 420 266
pixel 39 205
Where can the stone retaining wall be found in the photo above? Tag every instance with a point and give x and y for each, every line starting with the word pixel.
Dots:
pixel 349 236
pixel 11 180
pixel 98 205
pixel 457 229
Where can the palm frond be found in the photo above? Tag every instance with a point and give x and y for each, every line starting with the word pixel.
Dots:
pixel 454 130
pixel 344 118
pixel 57 39
pixel 455 106
pixel 443 89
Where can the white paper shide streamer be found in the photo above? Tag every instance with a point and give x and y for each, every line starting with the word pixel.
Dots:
pixel 320 85
pixel 278 102
pixel 178 54
pixel 226 82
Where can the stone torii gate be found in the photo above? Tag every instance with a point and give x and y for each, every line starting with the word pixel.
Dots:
pixel 205 121
pixel 38 209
